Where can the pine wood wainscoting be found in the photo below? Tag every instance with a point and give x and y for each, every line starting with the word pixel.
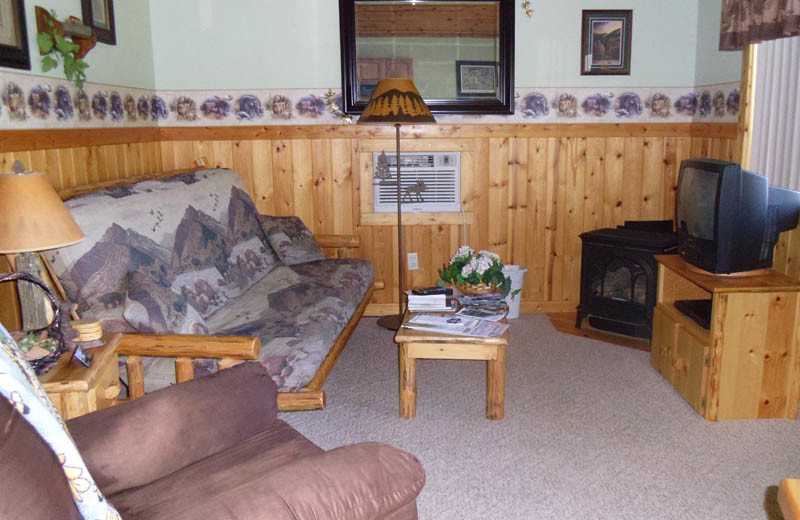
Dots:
pixel 527 191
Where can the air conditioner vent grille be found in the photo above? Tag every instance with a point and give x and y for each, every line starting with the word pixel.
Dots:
pixel 429 182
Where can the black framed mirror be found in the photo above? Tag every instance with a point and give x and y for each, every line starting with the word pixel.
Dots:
pixel 459 53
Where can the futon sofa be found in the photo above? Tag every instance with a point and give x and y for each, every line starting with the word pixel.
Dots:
pixel 209 448
pixel 189 254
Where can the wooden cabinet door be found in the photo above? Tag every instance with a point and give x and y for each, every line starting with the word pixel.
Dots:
pixel 400 68
pixel 371 70
pixel 662 346
pixel 690 370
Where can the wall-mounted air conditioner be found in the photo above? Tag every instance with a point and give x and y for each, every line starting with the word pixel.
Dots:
pixel 430 181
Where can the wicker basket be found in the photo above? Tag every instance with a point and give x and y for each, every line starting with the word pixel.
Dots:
pixel 42 365
pixel 479 288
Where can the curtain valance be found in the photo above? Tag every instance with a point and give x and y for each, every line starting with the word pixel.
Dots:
pixel 753 21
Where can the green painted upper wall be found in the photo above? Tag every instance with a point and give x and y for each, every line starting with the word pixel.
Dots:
pixel 279 44
pixel 712 65
pixel 208 44
pixel 245 44
pixel 129 63
pixel 663 44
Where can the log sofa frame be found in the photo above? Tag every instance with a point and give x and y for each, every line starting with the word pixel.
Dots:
pixel 229 350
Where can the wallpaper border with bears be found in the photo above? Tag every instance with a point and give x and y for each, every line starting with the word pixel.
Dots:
pixel 38 102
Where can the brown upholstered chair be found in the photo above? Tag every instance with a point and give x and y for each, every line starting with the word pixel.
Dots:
pixel 210 448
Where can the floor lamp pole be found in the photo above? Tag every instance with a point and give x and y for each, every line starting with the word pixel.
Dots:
pixel 393 322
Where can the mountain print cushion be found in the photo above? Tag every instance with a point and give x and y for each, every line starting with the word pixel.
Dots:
pixel 291 239
pixel 153 307
pixel 196 233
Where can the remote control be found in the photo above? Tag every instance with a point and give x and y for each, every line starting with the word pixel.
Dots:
pixel 427 291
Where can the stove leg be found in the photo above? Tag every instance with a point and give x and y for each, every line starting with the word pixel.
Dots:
pixel 579 319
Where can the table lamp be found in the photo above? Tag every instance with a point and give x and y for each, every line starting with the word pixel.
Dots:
pixel 32 218
pixel 396 101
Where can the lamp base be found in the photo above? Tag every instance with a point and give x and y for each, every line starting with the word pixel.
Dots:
pixel 391 322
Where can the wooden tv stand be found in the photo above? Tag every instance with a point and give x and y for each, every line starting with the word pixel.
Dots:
pixel 747 364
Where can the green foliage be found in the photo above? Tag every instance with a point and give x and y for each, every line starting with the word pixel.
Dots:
pixel 57 49
pixel 49 63
pixel 467 266
pixel 65 46
pixel 45 42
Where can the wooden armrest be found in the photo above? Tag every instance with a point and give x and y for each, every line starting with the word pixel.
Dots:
pixel 335 241
pixel 789 498
pixel 302 400
pixel 189 346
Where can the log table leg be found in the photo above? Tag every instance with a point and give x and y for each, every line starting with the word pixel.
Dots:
pixel 496 385
pixel 408 382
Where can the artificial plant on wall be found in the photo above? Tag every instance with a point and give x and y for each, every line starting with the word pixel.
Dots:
pixel 59 44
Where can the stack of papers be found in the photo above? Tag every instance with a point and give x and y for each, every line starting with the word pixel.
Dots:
pixel 458 325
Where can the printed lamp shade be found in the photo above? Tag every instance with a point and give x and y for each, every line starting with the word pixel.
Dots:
pixel 32 215
pixel 396 100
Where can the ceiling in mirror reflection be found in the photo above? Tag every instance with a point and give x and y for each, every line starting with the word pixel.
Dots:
pixel 434 19
pixel 429 43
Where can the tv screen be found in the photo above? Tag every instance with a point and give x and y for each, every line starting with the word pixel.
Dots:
pixel 728 219
pixel 698 202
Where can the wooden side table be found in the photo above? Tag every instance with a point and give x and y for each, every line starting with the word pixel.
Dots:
pixel 416 344
pixel 76 390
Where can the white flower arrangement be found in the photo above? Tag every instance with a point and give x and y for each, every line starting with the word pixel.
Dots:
pixel 468 267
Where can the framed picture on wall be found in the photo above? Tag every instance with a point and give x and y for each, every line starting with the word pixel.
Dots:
pixel 13 35
pixel 99 14
pixel 476 78
pixel 606 42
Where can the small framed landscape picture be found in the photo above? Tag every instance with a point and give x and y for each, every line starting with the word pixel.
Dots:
pixel 606 42
pixel 476 78
pixel 13 35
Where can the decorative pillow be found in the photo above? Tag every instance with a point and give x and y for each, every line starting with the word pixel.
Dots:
pixel 151 306
pixel 20 386
pixel 291 239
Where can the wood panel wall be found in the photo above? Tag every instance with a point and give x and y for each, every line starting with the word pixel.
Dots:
pixel 528 191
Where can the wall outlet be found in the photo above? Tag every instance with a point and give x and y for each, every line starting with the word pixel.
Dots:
pixel 413 261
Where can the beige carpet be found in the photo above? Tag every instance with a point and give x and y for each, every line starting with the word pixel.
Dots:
pixel 591 432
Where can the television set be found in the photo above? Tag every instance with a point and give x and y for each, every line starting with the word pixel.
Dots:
pixel 727 218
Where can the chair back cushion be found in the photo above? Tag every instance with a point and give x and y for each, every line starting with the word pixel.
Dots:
pixel 19 386
pixel 197 234
pixel 148 438
pixel 34 486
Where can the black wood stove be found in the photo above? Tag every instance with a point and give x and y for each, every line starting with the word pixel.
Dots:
pixel 619 275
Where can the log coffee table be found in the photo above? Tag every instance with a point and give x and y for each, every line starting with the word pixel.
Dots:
pixel 417 344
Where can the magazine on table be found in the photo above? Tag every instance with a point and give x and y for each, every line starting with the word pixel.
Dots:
pixel 483 314
pixel 458 325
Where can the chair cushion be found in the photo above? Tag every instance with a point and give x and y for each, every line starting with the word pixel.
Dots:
pixel 244 462
pixel 280 475
pixel 291 239
pixel 297 312
pixel 20 386
pixel 135 443
pixel 34 485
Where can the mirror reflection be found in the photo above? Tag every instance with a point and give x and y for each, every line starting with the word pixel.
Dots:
pixel 450 49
